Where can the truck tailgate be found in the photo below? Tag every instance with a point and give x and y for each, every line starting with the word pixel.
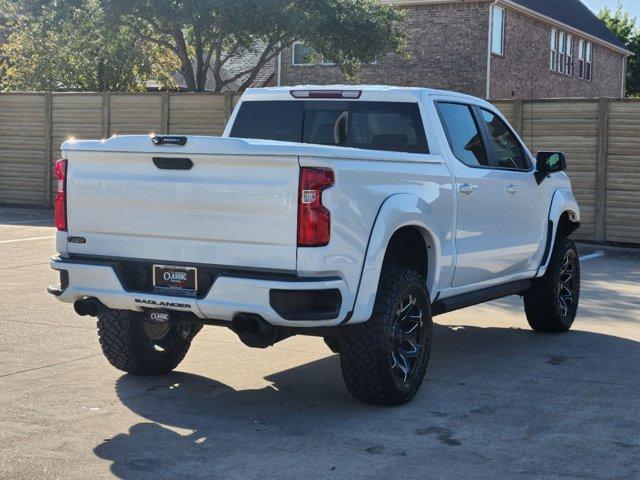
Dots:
pixel 231 210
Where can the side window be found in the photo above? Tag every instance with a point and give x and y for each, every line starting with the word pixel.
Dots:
pixel 463 134
pixel 507 150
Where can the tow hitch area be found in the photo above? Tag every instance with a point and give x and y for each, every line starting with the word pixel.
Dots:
pixel 157 324
pixel 159 316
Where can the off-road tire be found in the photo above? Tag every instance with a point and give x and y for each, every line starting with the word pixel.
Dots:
pixel 542 302
pixel 127 348
pixel 366 350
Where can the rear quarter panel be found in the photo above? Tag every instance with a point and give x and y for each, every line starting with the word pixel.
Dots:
pixel 356 204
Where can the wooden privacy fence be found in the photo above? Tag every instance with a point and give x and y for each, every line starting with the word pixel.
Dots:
pixel 33 126
pixel 600 137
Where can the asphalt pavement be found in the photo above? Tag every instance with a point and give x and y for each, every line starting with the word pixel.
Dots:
pixel 499 401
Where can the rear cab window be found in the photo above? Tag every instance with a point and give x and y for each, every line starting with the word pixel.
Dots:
pixel 387 126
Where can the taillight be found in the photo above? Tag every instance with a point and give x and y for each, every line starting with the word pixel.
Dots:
pixel 314 220
pixel 61 198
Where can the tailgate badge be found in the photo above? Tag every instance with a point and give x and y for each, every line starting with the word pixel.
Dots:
pixel 168 140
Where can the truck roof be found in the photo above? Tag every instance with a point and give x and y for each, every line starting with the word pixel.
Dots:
pixel 379 93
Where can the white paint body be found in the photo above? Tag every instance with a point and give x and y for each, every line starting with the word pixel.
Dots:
pixel 237 207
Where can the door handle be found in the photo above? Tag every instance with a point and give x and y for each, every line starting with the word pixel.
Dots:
pixel 467 188
pixel 512 189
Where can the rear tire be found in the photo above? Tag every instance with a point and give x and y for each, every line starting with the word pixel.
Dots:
pixel 131 346
pixel 552 302
pixel 385 359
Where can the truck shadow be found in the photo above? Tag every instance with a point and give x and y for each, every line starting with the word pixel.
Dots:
pixel 517 389
pixel 609 291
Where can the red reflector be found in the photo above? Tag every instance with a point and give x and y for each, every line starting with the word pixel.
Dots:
pixel 349 94
pixel 61 197
pixel 314 220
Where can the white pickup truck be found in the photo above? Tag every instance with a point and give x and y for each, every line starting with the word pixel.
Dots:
pixel 351 213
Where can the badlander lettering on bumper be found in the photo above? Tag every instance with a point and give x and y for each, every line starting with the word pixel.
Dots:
pixel 162 304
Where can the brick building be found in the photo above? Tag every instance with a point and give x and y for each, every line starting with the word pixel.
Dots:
pixel 489 48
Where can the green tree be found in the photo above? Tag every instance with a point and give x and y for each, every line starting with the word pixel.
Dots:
pixel 76 48
pixel 6 13
pixel 626 29
pixel 206 34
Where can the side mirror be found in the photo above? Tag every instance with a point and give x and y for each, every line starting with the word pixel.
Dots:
pixel 549 162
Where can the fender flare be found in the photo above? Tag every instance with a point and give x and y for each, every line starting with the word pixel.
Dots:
pixel 397 211
pixel 562 201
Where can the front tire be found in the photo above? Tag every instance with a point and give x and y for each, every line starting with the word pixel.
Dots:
pixel 135 346
pixel 385 359
pixel 552 302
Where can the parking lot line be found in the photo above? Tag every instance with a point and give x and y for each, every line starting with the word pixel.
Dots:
pixel 26 239
pixel 592 256
pixel 24 222
pixel 11 374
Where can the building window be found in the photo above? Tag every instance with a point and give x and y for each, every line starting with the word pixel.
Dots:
pixel 585 60
pixel 562 45
pixel 554 49
pixel 497 28
pixel 561 52
pixel 568 64
pixel 302 55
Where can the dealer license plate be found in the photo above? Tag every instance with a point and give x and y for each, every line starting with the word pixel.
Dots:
pixel 169 278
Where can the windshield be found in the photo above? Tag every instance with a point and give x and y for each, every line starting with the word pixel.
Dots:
pixel 390 126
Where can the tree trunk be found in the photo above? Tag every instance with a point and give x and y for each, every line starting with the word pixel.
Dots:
pixel 101 80
pixel 270 52
pixel 186 67
pixel 201 68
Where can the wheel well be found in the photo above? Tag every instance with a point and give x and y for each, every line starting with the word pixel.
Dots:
pixel 567 224
pixel 408 248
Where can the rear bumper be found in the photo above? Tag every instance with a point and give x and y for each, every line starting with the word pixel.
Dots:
pixel 229 295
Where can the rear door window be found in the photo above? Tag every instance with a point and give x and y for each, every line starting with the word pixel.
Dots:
pixel 506 149
pixel 463 134
pixel 389 126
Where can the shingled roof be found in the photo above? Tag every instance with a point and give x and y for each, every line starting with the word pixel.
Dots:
pixel 575 14
pixel 234 66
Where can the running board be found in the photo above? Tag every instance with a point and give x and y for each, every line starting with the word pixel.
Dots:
pixel 470 299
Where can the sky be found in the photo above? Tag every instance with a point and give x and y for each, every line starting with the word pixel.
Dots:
pixel 632 6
